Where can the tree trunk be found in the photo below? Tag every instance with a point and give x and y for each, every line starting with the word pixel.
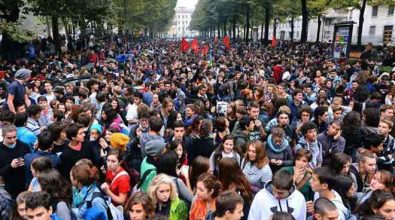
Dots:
pixel 275 28
pixel 318 29
pixel 247 24
pixel 219 30
pixel 225 32
pixel 361 20
pixel 267 23
pixel 262 26
pixel 292 28
pixel 305 21
pixel 55 32
pixel 234 27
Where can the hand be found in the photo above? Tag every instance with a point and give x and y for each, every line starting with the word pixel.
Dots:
pixel 105 187
pixel 103 143
pixel 273 161
pixel 139 130
pixel 258 123
pixel 15 163
pixel 43 128
pixel 337 135
pixel 310 207
pixel 280 162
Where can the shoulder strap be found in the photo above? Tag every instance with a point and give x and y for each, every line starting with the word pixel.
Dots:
pixel 145 175
pixel 122 173
pixel 304 180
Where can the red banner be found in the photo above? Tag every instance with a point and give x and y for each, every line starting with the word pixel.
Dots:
pixel 227 42
pixel 184 45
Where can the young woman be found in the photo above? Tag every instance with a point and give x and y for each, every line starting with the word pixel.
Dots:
pixel 52 182
pixel 347 190
pixel 278 149
pixel 208 188
pixel 19 211
pixel 380 203
pixel 255 166
pixel 382 180
pixel 301 173
pixel 38 166
pixel 139 207
pixel 83 180
pixel 232 178
pixel 163 193
pixel 117 184
pixel 199 166
pixel 225 150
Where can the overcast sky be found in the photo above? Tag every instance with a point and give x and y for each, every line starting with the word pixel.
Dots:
pixel 187 3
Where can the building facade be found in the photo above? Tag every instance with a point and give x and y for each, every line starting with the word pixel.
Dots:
pixel 378 26
pixel 180 25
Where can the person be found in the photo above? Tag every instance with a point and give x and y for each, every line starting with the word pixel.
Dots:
pixel 255 165
pixel 77 149
pixel 278 149
pixel 86 195
pixel 245 126
pixel 282 216
pixel 12 164
pixel 208 188
pixel 331 140
pixel 229 206
pixel 302 173
pixel 198 166
pixel 117 184
pixel 38 206
pixel 278 195
pixel 37 166
pixel 139 207
pixel 19 210
pixel 16 91
pixel 309 141
pixel 381 204
pixel 163 193
pixel 23 134
pixel 363 171
pixel 203 144
pixel 225 150
pixel 322 183
pixel 34 113
pixel 59 189
pixel 324 209
pixel 386 158
pixel 382 180
pixel 351 131
pixel 152 137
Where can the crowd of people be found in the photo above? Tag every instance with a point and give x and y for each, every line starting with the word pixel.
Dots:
pixel 141 130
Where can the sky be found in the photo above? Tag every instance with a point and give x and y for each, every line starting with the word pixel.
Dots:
pixel 187 3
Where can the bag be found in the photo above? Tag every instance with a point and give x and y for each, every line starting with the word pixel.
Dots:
pixel 136 188
pixel 113 213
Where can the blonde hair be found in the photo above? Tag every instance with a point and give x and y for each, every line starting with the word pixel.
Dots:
pixel 156 182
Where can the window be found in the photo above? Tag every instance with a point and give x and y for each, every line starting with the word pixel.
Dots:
pixel 375 9
pixel 390 10
pixel 372 30
pixel 387 34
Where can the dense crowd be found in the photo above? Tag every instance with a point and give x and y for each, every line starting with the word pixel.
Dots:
pixel 140 130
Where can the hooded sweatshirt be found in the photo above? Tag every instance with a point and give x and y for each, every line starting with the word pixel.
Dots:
pixel 344 213
pixel 148 139
pixel 316 151
pixel 265 204
pixel 279 152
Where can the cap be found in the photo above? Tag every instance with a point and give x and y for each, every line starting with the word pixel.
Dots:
pixel 22 73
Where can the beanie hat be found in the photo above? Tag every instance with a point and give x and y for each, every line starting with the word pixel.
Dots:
pixel 155 147
pixel 22 73
pixel 97 127
pixel 119 141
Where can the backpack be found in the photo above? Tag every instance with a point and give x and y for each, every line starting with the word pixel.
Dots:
pixel 6 204
pixel 136 188
pixel 113 213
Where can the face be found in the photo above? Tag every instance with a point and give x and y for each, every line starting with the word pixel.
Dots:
pixel 94 134
pixel 202 192
pixel 369 165
pixel 80 135
pixel 48 87
pixel 346 168
pixel 144 123
pixel 299 97
pixel 10 138
pixel 252 152
pixel 188 112
pixel 39 214
pixel 331 215
pixel 113 163
pixel 301 163
pixel 277 140
pixel 43 104
pixel 384 129
pixel 62 108
pixel 333 129
pixel 337 115
pixel 114 104
pixel 237 213
pixel 22 210
pixel 324 117
pixel 69 104
pixel 352 191
pixel 305 117
pixel 179 133
pixel 280 193
pixel 163 192
pixel 136 100
pixel 375 183
pixel 170 107
pixel 388 114
pixel 137 212
pixel 387 210
pixel 254 112
pixel 228 146
pixel 315 183
pixel 179 150
pixel 155 99
pixel 283 119
pixel 311 134
pixel 21 109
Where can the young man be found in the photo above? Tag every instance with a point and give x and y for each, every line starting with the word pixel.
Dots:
pixel 34 113
pixel 387 112
pixel 152 137
pixel 278 195
pixel 259 132
pixel 46 116
pixel 246 125
pixel 321 183
pixel 49 95
pixel 93 86
pixel 16 91
pixel 331 140
pixel 229 206
pixel 324 209
pixel 309 142
pixel 12 163
pixel 386 158
pixel 38 206
pixel 131 109
pixel 23 134
pixel 363 171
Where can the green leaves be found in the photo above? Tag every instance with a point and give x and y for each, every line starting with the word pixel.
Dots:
pixel 13 30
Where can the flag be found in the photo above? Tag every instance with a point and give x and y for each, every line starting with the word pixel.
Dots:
pixel 227 42
pixel 205 50
pixel 184 45
pixel 194 44
pixel 274 41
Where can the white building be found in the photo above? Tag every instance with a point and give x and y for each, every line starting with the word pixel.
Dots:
pixel 180 25
pixel 378 26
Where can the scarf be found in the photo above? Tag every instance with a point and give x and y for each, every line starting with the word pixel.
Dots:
pixel 79 195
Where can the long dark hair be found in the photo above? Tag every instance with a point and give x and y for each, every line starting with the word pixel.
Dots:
pixel 173 146
pixel 52 182
pixel 198 166
pixel 168 163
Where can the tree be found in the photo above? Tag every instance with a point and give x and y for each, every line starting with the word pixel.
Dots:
pixel 288 9
pixel 305 21
pixel 317 8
